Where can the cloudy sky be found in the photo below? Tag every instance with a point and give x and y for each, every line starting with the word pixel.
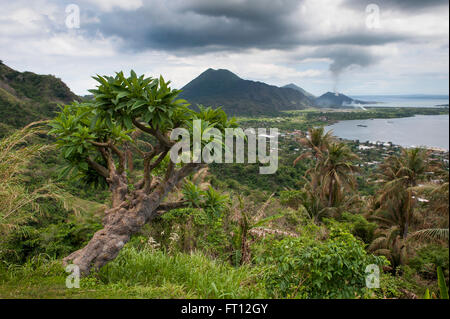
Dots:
pixel 352 46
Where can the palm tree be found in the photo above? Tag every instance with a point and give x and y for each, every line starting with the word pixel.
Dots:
pixel 437 192
pixel 312 199
pixel 337 170
pixel 395 210
pixel 314 202
pixel 388 242
pixel 316 141
pixel 396 200
pixel 333 172
pixel 401 175
pixel 408 168
pixel 248 220
pixel 438 195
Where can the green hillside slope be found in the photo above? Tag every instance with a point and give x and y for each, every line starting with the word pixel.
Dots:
pixel 27 97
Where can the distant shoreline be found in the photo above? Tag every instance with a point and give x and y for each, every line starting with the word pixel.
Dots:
pixel 385 141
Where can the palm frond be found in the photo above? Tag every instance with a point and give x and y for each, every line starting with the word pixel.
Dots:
pixel 430 234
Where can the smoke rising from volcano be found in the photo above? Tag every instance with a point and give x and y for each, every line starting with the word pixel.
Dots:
pixel 345 58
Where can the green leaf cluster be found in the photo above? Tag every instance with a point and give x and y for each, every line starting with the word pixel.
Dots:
pixel 306 268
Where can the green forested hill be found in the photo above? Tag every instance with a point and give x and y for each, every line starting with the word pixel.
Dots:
pixel 336 100
pixel 241 97
pixel 27 97
pixel 296 87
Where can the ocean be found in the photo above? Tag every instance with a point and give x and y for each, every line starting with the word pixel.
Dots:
pixel 419 100
pixel 420 130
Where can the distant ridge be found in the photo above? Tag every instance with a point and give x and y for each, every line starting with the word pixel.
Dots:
pixel 336 100
pixel 241 97
pixel 295 87
pixel 26 97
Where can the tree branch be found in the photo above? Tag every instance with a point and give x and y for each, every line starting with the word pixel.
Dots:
pixel 103 171
pixel 101 146
pixel 164 140
pixel 108 159
pixel 150 146
pixel 120 155
pixel 142 127
pixel 149 166
pixel 173 205
pixel 186 170
pixel 159 159
pixel 134 147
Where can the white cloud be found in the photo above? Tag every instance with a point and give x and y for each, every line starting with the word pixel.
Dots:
pixel 108 5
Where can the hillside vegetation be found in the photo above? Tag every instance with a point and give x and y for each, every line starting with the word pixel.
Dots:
pixel 310 230
pixel 26 97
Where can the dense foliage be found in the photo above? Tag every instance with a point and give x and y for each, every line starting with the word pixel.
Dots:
pixel 303 268
pixel 308 231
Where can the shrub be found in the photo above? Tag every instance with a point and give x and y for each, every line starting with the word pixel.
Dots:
pixel 55 240
pixel 360 227
pixel 187 229
pixel 427 260
pixel 291 198
pixel 334 268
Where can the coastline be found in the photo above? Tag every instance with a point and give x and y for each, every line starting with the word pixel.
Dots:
pixel 377 141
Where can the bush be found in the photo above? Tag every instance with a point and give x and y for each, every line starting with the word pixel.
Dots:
pixel 291 198
pixel 188 229
pixel 360 227
pixel 56 234
pixel 427 260
pixel 334 268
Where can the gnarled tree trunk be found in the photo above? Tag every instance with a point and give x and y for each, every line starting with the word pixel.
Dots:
pixel 130 212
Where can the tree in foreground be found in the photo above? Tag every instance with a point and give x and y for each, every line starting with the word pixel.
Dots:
pixel 94 137
pixel 396 201
pixel 338 171
pixel 331 180
pixel 316 142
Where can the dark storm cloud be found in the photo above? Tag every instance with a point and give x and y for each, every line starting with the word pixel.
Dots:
pixel 203 24
pixel 197 26
pixel 258 11
pixel 361 38
pixel 345 57
pixel 403 5
pixel 192 27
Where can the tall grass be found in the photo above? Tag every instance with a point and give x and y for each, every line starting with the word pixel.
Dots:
pixel 17 204
pixel 199 275
pixel 136 273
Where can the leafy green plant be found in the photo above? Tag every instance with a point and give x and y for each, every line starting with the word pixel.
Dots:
pixel 360 227
pixel 214 203
pixel 246 223
pixel 443 290
pixel 441 282
pixel 304 268
pixel 427 259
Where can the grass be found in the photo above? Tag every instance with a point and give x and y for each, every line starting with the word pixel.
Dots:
pixel 136 273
